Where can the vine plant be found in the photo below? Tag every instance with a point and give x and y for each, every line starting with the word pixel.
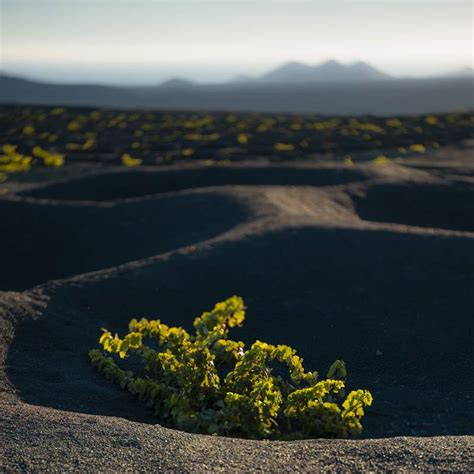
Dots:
pixel 209 383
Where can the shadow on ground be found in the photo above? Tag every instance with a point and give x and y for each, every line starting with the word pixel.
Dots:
pixel 396 307
pixel 128 184
pixel 425 205
pixel 42 242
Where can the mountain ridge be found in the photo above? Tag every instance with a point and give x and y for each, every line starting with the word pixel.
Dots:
pixel 328 71
pixel 387 96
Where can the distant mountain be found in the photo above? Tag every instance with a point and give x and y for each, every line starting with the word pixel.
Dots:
pixel 464 72
pixel 385 96
pixel 329 72
pixel 289 72
pixel 176 83
pixel 26 91
pixel 242 79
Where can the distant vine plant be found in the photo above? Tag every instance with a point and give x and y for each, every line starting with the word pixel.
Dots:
pixel 210 384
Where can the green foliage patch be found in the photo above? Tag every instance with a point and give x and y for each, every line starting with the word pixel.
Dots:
pixel 209 383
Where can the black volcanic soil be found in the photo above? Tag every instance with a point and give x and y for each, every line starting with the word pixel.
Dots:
pixel 52 240
pixel 445 206
pixel 123 185
pixel 372 264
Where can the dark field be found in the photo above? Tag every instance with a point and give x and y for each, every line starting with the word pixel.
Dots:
pixel 347 238
pixel 102 136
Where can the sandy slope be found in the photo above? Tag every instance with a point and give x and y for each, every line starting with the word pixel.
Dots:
pixel 337 261
pixel 38 438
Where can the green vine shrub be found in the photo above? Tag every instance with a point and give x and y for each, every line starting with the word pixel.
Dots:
pixel 209 383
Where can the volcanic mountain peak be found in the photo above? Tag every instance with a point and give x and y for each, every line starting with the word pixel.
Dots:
pixel 329 71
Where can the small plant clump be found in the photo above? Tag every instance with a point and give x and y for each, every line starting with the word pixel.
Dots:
pixel 210 384
pixel 11 161
pixel 129 161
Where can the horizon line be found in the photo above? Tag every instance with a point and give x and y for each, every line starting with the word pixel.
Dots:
pixel 9 71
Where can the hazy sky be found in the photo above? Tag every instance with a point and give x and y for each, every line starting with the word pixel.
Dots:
pixel 120 41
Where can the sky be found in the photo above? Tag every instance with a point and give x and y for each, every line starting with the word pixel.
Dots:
pixel 148 41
